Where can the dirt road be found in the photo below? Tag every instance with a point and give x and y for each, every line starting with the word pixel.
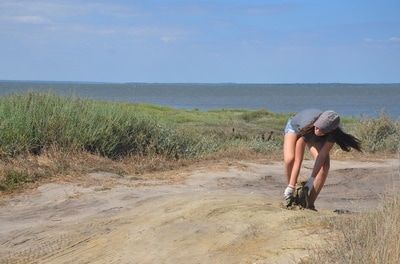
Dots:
pixel 221 213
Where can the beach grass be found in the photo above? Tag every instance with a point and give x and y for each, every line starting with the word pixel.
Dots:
pixel 35 125
pixel 371 237
pixel 31 123
pixel 381 134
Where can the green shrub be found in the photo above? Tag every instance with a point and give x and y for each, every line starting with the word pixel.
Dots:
pixel 32 122
pixel 14 179
pixel 379 134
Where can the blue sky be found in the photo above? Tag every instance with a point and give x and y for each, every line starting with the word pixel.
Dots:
pixel 200 41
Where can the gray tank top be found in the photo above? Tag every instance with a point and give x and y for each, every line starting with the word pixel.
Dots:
pixel 304 118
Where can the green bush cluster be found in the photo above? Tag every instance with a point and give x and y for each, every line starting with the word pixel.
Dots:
pixel 379 134
pixel 32 122
pixel 14 179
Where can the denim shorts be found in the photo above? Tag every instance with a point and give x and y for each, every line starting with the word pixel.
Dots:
pixel 289 128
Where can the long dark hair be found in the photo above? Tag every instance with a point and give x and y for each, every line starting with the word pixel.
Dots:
pixel 343 139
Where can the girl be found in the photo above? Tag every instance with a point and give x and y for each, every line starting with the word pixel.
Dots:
pixel 319 131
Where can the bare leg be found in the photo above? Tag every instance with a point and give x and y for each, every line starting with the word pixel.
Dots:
pixel 321 175
pixel 289 145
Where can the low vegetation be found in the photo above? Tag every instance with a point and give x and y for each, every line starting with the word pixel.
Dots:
pixel 35 125
pixel 32 123
pixel 371 237
pixel 380 134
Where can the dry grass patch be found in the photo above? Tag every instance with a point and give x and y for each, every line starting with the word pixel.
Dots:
pixel 365 238
pixel 28 171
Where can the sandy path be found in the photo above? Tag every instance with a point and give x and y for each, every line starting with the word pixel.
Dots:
pixel 222 213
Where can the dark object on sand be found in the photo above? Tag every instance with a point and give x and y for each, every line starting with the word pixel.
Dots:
pixel 300 198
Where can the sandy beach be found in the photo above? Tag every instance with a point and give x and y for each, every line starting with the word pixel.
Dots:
pixel 214 212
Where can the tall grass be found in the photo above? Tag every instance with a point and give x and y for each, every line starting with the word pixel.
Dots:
pixel 33 122
pixel 367 238
pixel 379 134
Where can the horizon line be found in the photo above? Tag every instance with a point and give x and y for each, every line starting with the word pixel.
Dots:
pixel 195 83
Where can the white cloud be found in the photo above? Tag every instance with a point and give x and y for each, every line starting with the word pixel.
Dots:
pixel 165 34
pixel 395 39
pixel 54 9
pixel 269 8
pixel 389 40
pixel 168 39
pixel 81 17
pixel 36 20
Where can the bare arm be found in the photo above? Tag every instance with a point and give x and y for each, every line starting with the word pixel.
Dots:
pixel 298 159
pixel 323 153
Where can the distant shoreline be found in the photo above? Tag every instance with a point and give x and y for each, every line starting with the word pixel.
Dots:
pixel 202 83
pixel 355 100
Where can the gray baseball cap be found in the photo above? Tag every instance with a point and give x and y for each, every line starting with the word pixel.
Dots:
pixel 328 121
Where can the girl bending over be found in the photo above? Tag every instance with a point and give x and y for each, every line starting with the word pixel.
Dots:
pixel 319 131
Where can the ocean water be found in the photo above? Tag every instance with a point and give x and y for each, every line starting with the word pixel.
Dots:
pixel 357 100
